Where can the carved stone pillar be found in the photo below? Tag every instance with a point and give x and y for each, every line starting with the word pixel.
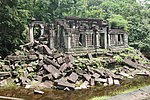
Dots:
pixel 69 42
pixel 31 36
pixel 108 40
pixel 97 40
pixel 42 30
pixel 105 38
pixel 51 38
pixel 126 39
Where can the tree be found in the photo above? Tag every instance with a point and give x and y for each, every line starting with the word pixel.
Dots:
pixel 13 21
pixel 118 21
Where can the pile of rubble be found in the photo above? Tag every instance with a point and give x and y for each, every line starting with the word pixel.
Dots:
pixel 38 64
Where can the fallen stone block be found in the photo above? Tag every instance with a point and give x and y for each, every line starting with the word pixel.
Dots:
pixel 17 80
pixel 143 73
pixel 38 92
pixel 40 57
pixel 63 67
pixel 58 55
pixel 79 72
pixel 102 80
pixel 110 81
pixel 17 58
pixel 73 77
pixel 30 69
pixel 66 89
pixel 90 56
pixel 44 49
pixel 87 76
pixel 3 74
pixel 3 82
pixel 90 69
pixel 47 50
pixel 39 78
pixel 28 86
pixel 46 84
pixel 65 84
pixel 60 60
pixel 32 57
pixel 116 82
pixel 109 54
pixel 130 63
pixel 49 62
pixel 67 59
pixel 124 74
pixel 47 77
pixel 72 59
pixel 119 77
pixel 99 71
pixel 92 82
pixel 96 75
pixel 12 67
pixel 6 67
pixel 84 85
pixel 14 73
pixel 54 71
pixel 105 84
pixel 24 80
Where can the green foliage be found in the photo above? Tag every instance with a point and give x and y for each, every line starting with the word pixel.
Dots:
pixel 118 58
pixel 10 84
pixel 129 49
pixel 101 98
pixel 118 21
pixel 128 14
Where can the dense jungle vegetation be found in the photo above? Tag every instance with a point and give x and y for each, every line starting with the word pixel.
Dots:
pixel 133 15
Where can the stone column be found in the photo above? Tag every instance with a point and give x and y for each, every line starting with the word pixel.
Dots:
pixel 42 29
pixel 86 40
pixel 108 40
pixel 58 36
pixel 116 39
pixel 126 39
pixel 69 42
pixel 97 40
pixel 51 38
pixel 105 38
pixel 31 36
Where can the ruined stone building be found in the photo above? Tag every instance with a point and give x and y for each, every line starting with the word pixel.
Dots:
pixel 82 35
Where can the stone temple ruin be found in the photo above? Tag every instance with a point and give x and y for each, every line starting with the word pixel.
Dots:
pixel 80 35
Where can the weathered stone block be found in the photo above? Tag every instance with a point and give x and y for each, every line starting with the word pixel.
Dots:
pixel 92 82
pixel 60 60
pixel 87 76
pixel 110 81
pixel 63 67
pixel 116 82
pixel 54 71
pixel 73 77
pixel 96 75
pixel 66 84
pixel 30 69
pixel 50 62
pixel 102 80
pixel 84 85
pixel 38 92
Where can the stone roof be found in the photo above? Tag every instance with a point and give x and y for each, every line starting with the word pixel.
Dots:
pixel 117 31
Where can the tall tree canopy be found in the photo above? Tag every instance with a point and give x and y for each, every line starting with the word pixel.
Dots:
pixel 134 16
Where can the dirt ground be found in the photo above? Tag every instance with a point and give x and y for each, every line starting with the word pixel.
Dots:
pixel 140 94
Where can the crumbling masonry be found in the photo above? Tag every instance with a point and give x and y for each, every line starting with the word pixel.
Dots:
pixel 87 35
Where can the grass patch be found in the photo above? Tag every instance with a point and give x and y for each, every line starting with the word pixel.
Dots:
pixel 100 98
pixel 10 85
pixel 130 89
pixel 126 87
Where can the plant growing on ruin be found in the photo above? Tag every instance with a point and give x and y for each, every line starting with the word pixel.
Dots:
pixel 118 58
